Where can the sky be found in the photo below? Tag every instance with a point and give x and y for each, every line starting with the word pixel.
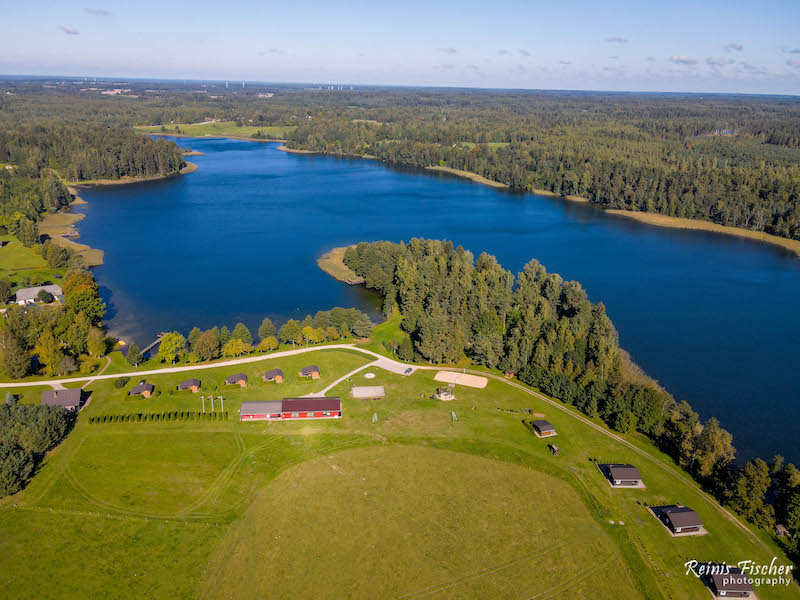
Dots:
pixel 676 46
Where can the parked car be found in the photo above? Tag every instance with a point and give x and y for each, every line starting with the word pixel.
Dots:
pixel 408 371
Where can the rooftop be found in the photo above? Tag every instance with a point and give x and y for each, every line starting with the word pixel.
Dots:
pixel 31 293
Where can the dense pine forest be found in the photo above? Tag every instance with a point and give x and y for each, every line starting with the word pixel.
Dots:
pixel 550 335
pixel 728 159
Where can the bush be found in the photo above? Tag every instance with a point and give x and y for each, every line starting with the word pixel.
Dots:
pixel 121 382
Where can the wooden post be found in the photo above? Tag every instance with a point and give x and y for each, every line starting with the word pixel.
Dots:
pixel 212 402
pixel 203 400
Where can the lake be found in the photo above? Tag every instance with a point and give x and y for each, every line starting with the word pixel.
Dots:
pixel 712 317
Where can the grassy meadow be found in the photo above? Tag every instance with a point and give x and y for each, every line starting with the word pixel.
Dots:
pixel 219 129
pixel 415 505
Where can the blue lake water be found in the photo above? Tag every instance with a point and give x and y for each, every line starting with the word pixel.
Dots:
pixel 713 318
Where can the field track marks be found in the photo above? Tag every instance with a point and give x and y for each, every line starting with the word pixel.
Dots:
pixel 572 581
pixel 486 571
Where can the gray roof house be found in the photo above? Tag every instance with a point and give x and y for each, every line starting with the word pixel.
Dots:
pixel 624 475
pixel 30 295
pixel 680 519
pixel 237 379
pixel 68 399
pixel 734 584
pixel 189 384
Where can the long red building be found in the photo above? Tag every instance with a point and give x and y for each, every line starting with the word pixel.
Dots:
pixel 292 409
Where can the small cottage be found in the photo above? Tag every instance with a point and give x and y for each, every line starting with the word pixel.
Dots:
pixel 143 389
pixel 311 371
pixel 189 384
pixel 734 584
pixel 67 399
pixel 624 476
pixel 544 428
pixel 239 379
pixel 30 295
pixel 680 520
pixel 275 375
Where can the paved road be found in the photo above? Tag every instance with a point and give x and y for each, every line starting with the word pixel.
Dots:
pixel 382 362
pixel 399 367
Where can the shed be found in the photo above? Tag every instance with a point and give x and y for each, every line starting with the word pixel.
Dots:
pixel 143 389
pixel 310 371
pixel 624 475
pixel 734 584
pixel 544 428
pixel 680 519
pixel 312 408
pixel 261 411
pixel 67 399
pixel 275 375
pixel 30 295
pixel 239 379
pixel 189 384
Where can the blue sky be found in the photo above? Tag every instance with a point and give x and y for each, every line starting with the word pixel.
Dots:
pixel 709 46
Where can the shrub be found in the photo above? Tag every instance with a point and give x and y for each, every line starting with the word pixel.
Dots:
pixel 121 382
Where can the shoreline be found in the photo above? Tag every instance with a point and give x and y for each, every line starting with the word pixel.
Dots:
pixel 468 175
pixel 332 262
pixel 208 136
pixel 659 220
pixel 189 168
pixel 333 154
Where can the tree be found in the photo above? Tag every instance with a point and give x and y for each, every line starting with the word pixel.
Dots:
pixel 312 335
pixel 44 296
pixel 792 517
pixel 171 347
pixel 749 491
pixel 5 290
pixel 266 329
pixel 362 327
pixel 14 360
pixel 235 347
pixel 241 332
pixel 713 448
pixel 406 350
pixel 134 356
pixel 194 334
pixel 331 333
pixel 50 354
pixel 268 344
pixel 207 346
pixel 16 467
pixel 77 333
pixel 290 332
pixel 224 335
pixel 96 342
pixel 28 232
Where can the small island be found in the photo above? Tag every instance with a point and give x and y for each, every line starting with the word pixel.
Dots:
pixel 332 262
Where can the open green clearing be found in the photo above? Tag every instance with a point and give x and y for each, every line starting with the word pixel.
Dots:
pixel 415 505
pixel 221 129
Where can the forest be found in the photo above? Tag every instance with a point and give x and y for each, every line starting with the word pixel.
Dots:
pixel 549 334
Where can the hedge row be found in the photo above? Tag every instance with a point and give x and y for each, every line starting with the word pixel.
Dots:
pixel 166 416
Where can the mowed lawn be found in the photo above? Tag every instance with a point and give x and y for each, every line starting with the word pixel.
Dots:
pixel 406 522
pixel 415 504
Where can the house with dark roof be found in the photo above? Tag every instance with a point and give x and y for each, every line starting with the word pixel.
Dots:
pixel 189 384
pixel 67 399
pixel 275 375
pixel 261 411
pixel 239 379
pixel 143 389
pixel 734 584
pixel 680 520
pixel 312 408
pixel 309 371
pixel 623 475
pixel 544 428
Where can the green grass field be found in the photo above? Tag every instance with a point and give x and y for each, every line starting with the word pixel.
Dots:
pixel 221 129
pixel 415 505
pixel 17 261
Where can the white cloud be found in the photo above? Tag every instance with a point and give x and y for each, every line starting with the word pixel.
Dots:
pixel 794 63
pixel 733 47
pixel 565 62
pixel 98 12
pixel 615 39
pixel 718 62
pixel 682 60
pixel 69 30
pixel 523 52
pixel 447 50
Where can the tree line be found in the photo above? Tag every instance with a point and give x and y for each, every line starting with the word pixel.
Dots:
pixel 26 433
pixel 199 345
pixel 551 336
